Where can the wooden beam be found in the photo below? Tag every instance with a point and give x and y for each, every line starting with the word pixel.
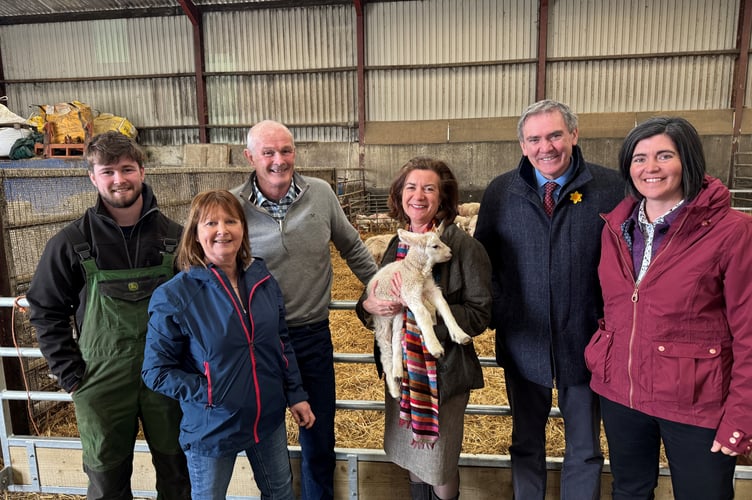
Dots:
pixel 540 74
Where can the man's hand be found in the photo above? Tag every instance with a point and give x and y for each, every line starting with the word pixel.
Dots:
pixel 302 414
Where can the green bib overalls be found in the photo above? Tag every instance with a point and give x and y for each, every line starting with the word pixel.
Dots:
pixel 112 398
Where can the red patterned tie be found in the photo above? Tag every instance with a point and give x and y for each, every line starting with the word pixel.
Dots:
pixel 548 197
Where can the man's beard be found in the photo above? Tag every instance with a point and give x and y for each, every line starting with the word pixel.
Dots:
pixel 120 201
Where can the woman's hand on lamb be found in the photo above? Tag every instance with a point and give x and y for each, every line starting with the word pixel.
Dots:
pixel 381 307
pixel 397 287
pixel 302 414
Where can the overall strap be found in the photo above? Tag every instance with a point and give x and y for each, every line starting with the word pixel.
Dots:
pixel 82 249
pixel 78 239
pixel 173 237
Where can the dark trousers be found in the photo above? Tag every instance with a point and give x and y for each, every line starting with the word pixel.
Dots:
pixel 634 442
pixel 115 484
pixel 315 354
pixel 583 461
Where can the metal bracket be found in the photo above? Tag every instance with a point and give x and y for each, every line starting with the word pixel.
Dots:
pixel 6 476
pixel 352 474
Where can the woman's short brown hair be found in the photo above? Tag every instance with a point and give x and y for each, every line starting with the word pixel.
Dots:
pixel 448 189
pixel 190 251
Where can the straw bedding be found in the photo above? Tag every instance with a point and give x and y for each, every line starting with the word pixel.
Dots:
pixel 364 429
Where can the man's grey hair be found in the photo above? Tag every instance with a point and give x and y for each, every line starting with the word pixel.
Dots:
pixel 251 137
pixel 547 106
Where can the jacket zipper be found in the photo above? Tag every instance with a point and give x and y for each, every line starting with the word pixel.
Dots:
pixel 249 335
pixel 632 335
pixel 636 296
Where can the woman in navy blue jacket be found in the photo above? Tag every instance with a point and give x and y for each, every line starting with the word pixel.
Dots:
pixel 218 343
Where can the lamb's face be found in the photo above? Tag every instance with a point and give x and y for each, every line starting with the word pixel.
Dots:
pixel 436 249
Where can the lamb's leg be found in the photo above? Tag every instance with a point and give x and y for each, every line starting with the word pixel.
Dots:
pixel 397 368
pixel 455 332
pixel 423 319
pixel 384 340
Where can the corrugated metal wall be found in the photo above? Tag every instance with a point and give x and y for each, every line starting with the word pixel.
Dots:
pixel 294 65
pixel 615 27
pixel 106 48
pixel 425 60
pixel 593 28
pixel 672 83
pixel 85 51
pixel 281 39
pixel 468 33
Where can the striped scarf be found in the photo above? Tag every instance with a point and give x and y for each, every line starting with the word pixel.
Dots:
pixel 419 393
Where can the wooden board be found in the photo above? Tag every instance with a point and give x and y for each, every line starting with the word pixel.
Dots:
pixel 377 480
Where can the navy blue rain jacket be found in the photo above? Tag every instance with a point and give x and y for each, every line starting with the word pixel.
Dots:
pixel 233 373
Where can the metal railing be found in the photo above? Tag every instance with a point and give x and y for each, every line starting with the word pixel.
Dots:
pixel 741 199
pixel 352 456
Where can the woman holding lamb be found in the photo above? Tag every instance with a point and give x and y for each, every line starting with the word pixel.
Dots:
pixel 424 427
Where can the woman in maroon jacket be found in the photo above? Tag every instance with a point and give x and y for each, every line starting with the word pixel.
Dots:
pixel 672 359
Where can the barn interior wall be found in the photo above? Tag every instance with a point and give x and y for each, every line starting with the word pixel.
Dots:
pixel 480 149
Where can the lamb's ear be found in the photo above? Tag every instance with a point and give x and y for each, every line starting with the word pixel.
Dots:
pixel 406 236
pixel 440 229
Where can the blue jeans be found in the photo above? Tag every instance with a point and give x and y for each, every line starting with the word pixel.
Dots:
pixel 315 354
pixel 634 442
pixel 270 462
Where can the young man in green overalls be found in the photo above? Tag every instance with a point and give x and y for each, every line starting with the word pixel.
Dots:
pixel 103 268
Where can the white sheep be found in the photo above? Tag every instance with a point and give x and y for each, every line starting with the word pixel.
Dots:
pixel 467 223
pixel 471 225
pixel 468 209
pixel 375 222
pixel 377 244
pixel 421 294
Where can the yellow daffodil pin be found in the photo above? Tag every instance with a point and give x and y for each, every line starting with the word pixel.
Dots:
pixel 576 197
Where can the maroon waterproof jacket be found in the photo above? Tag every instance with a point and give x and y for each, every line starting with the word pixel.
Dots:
pixel 679 345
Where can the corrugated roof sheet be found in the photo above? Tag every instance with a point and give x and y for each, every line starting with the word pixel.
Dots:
pixel 37 7
pixel 25 8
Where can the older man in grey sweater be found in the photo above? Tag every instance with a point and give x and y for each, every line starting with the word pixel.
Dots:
pixel 291 220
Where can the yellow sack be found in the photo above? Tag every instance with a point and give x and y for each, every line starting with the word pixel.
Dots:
pixel 107 121
pixel 38 122
pixel 67 121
